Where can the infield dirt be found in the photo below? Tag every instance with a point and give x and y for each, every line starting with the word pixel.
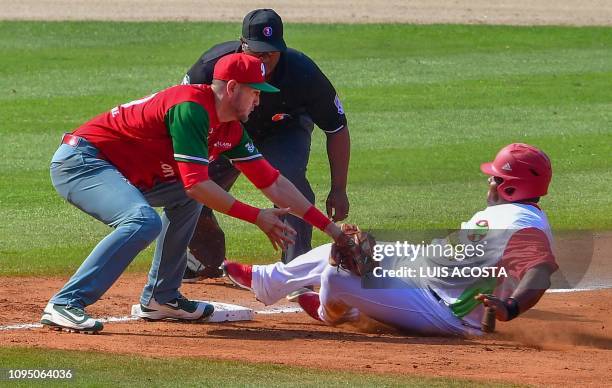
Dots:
pixel 566 340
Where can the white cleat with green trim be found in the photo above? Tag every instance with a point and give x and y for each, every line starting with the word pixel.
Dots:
pixel 69 318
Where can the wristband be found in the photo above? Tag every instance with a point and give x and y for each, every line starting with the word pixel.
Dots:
pixel 315 218
pixel 244 212
pixel 512 307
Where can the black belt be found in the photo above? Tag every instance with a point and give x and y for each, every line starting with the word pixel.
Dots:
pixel 434 294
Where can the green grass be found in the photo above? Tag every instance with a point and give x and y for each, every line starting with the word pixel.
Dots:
pixel 426 105
pixel 103 370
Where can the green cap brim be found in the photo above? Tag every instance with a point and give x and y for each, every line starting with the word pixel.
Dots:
pixel 265 87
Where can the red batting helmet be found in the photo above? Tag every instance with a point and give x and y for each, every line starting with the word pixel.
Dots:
pixel 525 169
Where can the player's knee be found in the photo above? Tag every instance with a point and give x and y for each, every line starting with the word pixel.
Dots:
pixel 146 223
pixel 207 232
pixel 334 309
pixel 330 279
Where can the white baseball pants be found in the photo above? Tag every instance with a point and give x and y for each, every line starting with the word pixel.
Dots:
pixel 413 309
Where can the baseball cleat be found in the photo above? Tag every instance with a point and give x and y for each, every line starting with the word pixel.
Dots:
pixel 310 302
pixel 180 308
pixel 240 274
pixel 69 318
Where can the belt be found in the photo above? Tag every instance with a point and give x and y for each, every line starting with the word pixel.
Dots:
pixel 439 299
pixel 73 141
pixel 70 139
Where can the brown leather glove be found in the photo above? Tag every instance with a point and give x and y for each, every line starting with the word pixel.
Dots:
pixel 354 252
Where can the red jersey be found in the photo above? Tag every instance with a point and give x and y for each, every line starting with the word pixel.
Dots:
pixel 145 138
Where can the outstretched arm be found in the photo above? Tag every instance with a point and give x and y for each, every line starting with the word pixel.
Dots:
pixel 210 194
pixel 284 194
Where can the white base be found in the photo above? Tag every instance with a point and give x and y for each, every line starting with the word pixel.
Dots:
pixel 224 312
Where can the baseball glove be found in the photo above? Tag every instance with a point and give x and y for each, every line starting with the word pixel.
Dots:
pixel 355 252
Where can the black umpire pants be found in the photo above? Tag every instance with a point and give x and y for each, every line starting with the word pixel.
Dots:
pixel 288 150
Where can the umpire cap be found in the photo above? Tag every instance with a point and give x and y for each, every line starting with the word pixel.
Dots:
pixel 262 29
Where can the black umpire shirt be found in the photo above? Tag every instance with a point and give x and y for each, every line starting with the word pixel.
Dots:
pixel 304 91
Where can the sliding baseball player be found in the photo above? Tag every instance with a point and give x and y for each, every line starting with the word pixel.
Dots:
pixel 501 259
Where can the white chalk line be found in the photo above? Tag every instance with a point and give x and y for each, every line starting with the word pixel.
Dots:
pixel 591 288
pixel 29 326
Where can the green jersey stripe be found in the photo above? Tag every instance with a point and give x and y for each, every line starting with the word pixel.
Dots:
pixel 190 158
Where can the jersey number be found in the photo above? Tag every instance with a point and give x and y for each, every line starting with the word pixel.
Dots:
pixel 115 110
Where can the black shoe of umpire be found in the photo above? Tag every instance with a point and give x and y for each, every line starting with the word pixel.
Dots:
pixel 191 276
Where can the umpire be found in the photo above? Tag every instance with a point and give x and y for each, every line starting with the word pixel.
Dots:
pixel 281 127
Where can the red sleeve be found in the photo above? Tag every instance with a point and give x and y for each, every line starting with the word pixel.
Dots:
pixel 192 173
pixel 259 172
pixel 527 249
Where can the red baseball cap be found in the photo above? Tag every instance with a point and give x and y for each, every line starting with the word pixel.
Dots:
pixel 244 69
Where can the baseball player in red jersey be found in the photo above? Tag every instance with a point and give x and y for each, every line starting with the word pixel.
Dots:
pixel 513 233
pixel 155 152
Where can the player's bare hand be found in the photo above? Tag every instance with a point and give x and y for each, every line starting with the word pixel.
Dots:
pixel 279 233
pixel 337 205
pixel 501 311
